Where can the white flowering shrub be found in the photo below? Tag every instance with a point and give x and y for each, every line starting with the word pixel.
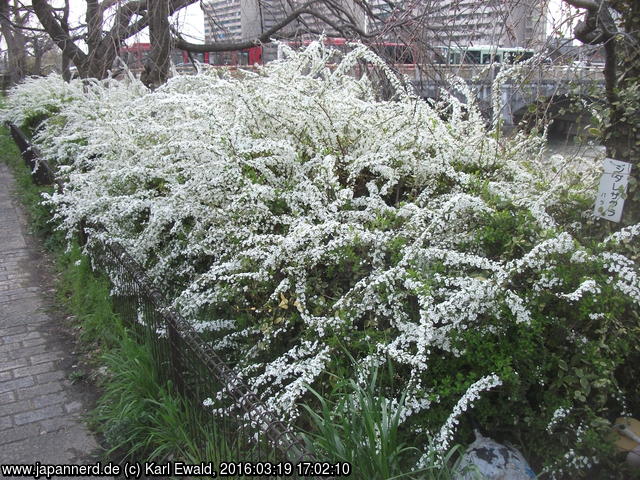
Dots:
pixel 38 98
pixel 299 221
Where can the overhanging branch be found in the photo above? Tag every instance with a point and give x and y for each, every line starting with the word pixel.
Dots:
pixel 265 37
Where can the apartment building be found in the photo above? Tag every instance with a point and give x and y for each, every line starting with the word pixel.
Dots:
pixel 245 19
pixel 504 23
pixel 242 19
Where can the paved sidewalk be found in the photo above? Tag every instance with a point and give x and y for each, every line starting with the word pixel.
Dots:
pixel 40 409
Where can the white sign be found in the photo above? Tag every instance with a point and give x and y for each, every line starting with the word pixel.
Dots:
pixel 613 189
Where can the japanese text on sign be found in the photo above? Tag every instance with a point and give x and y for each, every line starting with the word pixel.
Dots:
pixel 613 190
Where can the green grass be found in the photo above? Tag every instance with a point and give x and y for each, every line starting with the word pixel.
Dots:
pixel 86 294
pixel 30 194
pixel 356 424
pixel 142 419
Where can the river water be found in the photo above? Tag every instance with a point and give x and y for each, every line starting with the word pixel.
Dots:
pixel 571 148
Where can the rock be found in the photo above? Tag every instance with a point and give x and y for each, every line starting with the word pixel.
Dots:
pixel 633 458
pixel 488 459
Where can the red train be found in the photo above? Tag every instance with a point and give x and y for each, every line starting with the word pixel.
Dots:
pixel 136 54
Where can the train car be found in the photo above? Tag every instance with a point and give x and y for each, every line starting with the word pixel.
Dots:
pixel 136 54
pixel 244 57
pixel 481 55
pixel 181 58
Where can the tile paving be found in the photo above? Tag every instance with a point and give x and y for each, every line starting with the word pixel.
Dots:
pixel 41 410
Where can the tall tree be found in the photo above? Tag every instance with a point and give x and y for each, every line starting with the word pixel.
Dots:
pixel 12 20
pixel 66 60
pixel 156 70
pixel 38 44
pixel 129 18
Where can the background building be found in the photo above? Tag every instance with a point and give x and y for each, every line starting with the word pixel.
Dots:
pixel 245 19
pixel 222 20
pixel 241 19
pixel 503 23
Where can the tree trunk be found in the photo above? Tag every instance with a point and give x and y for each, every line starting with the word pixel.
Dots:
pixel 66 59
pixel 66 68
pixel 59 33
pixel 622 137
pixel 156 70
pixel 100 61
pixel 38 52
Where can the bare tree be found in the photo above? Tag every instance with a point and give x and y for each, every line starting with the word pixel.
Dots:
pixel 37 44
pixel 64 23
pixel 157 68
pixel 109 23
pixel 27 44
pixel 12 21
pixel 125 19
pixel 293 17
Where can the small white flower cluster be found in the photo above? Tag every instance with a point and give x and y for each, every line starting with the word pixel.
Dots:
pixel 546 282
pixel 214 325
pixel 624 235
pixel 580 256
pixel 39 97
pixel 588 286
pixel 517 307
pixel 579 463
pixel 443 440
pixel 627 278
pixel 285 380
pixel 411 406
pixel 557 417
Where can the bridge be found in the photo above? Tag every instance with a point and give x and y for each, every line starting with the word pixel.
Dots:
pixel 532 87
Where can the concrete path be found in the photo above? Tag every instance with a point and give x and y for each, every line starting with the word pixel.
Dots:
pixel 41 410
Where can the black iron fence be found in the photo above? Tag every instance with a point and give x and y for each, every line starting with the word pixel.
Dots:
pixel 185 361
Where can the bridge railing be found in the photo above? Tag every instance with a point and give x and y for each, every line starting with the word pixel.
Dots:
pixel 437 73
pixel 441 74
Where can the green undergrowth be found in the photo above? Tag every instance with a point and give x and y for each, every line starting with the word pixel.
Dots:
pixel 30 194
pixel 357 424
pixel 139 417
